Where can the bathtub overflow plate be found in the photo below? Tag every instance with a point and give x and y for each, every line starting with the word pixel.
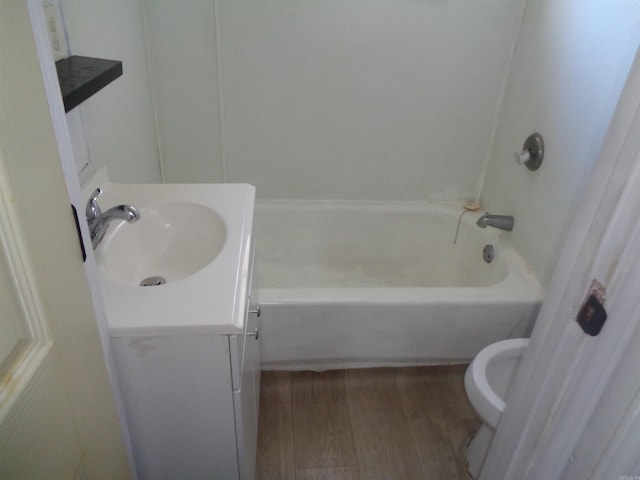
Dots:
pixel 488 253
pixel 152 282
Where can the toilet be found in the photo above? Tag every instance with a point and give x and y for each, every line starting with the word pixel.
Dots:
pixel 487 381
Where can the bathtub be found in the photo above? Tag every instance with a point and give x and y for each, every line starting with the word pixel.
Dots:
pixel 344 285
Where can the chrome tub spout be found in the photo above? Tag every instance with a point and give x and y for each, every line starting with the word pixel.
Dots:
pixel 502 222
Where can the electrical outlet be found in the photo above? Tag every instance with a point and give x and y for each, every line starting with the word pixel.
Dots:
pixel 57 38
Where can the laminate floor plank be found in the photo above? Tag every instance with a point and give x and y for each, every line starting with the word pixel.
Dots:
pixel 328 473
pixel 436 419
pixel 365 424
pixel 275 456
pixel 384 445
pixel 427 421
pixel 461 420
pixel 321 424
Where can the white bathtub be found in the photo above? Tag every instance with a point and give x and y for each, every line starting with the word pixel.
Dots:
pixel 346 285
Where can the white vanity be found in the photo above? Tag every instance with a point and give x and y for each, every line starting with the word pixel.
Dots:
pixel 187 349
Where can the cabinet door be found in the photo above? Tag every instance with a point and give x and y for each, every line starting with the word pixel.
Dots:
pixel 179 404
pixel 255 357
pixel 247 397
pixel 246 401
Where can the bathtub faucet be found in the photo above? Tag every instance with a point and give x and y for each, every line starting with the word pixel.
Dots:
pixel 503 222
pixel 99 221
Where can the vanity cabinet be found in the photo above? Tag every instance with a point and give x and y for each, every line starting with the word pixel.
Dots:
pixel 192 401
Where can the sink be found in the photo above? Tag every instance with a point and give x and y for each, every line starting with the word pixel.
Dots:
pixel 168 243
pixel 196 237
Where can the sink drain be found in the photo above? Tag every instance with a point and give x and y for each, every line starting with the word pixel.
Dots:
pixel 152 282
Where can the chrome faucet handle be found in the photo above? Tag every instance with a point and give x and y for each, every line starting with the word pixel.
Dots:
pixel 93 210
pixel 522 158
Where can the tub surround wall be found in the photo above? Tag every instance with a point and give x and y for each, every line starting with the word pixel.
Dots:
pixel 341 100
pixel 362 99
pixel 569 67
pixel 183 60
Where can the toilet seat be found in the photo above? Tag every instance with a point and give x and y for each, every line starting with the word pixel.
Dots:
pixel 482 394
pixel 487 381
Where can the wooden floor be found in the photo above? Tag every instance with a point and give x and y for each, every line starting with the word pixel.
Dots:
pixel 367 424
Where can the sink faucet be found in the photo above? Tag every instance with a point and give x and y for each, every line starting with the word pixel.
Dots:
pixel 503 222
pixel 99 221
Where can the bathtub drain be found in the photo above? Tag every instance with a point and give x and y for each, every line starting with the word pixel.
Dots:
pixel 152 282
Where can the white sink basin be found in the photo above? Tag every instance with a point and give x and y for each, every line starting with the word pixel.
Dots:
pixel 168 243
pixel 196 237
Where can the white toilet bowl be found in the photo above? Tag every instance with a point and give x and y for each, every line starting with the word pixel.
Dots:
pixel 487 381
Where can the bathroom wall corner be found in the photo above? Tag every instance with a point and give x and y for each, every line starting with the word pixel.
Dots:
pixel 496 115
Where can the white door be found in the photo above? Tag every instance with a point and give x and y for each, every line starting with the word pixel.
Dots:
pixel 573 411
pixel 57 414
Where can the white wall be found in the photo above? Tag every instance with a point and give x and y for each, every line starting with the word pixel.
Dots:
pixel 183 58
pixel 569 67
pixel 119 120
pixel 356 99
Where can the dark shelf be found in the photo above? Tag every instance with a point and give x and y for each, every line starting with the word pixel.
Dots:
pixel 81 77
